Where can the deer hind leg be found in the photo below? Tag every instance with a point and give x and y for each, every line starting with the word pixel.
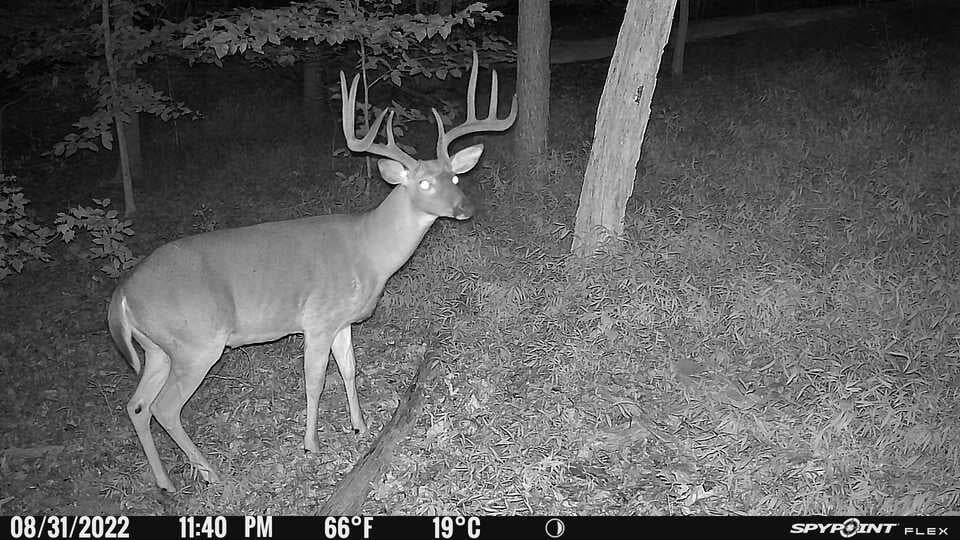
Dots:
pixel 155 370
pixel 347 363
pixel 188 369
pixel 316 355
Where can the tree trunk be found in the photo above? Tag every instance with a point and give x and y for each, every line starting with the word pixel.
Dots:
pixel 680 37
pixel 314 93
pixel 621 121
pixel 129 208
pixel 134 146
pixel 533 78
pixel 131 136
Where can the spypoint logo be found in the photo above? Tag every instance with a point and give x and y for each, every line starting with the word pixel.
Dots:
pixel 850 527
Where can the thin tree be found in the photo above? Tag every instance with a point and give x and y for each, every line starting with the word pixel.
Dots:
pixel 533 77
pixel 621 122
pixel 114 109
pixel 679 37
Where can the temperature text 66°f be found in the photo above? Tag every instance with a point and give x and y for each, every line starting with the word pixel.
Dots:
pixel 347 527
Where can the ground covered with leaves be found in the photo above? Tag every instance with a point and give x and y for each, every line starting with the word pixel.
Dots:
pixel 777 333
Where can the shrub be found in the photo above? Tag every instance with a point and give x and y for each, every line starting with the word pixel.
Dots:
pixel 107 232
pixel 22 239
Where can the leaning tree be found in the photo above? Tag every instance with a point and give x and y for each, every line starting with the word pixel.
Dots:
pixel 621 122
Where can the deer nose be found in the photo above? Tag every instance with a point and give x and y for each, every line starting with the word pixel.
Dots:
pixel 464 209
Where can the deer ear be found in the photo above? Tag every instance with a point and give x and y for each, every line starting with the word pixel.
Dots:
pixel 466 159
pixel 392 171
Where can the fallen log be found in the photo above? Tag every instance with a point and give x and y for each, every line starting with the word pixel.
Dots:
pixel 564 52
pixel 352 490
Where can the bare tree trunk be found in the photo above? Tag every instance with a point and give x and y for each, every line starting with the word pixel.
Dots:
pixel 621 122
pixel 680 36
pixel 314 93
pixel 533 79
pixel 131 137
pixel 129 208
pixel 134 146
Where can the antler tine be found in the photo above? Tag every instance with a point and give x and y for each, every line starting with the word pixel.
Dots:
pixel 472 89
pixel 366 144
pixel 472 124
pixel 494 96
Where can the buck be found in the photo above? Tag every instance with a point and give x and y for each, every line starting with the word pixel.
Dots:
pixel 193 297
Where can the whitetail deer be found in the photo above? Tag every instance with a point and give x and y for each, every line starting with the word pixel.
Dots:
pixel 195 296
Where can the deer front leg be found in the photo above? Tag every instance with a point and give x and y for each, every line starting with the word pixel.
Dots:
pixel 347 363
pixel 316 354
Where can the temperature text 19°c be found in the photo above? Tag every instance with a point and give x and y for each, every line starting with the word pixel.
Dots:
pixel 445 526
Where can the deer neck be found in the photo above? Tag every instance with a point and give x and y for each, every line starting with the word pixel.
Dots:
pixel 392 231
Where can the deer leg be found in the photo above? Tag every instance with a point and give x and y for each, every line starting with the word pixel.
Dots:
pixel 155 370
pixel 187 372
pixel 347 363
pixel 316 355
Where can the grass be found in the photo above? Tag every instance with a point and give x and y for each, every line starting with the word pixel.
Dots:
pixel 778 332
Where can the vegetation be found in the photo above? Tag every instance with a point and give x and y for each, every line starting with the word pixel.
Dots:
pixel 777 333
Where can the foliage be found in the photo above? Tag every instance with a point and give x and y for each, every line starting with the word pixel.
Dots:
pixel 105 230
pixel 22 239
pixel 132 97
pixel 334 22
pixel 71 54
pixel 390 45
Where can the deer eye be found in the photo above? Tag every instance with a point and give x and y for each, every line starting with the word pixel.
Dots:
pixel 455 179
pixel 424 184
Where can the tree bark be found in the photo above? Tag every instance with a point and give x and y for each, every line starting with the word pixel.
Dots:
pixel 533 78
pixel 621 122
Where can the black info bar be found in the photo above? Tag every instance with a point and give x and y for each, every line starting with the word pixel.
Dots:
pixel 256 527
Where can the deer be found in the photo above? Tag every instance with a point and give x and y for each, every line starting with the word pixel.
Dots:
pixel 192 298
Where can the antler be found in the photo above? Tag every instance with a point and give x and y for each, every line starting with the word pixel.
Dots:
pixel 471 124
pixel 366 144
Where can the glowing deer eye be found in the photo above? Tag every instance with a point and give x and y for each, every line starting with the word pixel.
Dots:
pixel 424 184
pixel 455 180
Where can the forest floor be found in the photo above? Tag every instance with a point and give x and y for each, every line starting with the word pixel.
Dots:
pixel 777 333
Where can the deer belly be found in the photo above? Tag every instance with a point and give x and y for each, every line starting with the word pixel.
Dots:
pixel 261 328
pixel 265 316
